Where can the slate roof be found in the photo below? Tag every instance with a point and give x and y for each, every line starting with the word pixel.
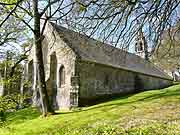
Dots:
pixel 91 50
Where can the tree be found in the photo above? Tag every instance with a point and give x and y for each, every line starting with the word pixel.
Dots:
pixel 25 11
pixel 168 54
pixel 11 76
pixel 119 21
pixel 38 37
pixel 11 30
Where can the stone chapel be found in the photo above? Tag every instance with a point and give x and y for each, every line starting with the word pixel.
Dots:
pixel 80 70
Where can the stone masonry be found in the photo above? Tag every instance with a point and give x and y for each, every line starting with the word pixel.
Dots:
pixel 80 70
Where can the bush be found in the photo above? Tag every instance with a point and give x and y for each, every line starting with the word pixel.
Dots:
pixel 10 103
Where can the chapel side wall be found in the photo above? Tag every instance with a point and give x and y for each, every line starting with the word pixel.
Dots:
pixel 149 83
pixel 100 81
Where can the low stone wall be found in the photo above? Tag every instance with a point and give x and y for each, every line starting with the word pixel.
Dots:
pixel 100 81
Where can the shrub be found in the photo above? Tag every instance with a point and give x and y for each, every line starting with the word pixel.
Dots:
pixel 11 103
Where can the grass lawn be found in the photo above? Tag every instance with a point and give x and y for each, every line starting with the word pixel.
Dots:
pixel 148 113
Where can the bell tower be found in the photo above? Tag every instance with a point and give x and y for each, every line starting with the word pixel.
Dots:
pixel 141 47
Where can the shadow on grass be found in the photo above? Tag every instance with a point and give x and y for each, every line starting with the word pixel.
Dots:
pixel 127 100
pixel 22 115
pixel 32 113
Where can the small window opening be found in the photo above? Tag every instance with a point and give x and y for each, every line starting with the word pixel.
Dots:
pixel 140 46
pixel 61 76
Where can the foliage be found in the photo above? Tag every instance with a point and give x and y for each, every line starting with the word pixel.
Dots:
pixel 119 21
pixel 147 113
pixel 11 103
pixel 168 54
pixel 11 73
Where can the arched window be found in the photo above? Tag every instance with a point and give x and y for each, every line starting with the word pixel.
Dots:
pixel 53 66
pixel 136 47
pixel 140 46
pixel 61 76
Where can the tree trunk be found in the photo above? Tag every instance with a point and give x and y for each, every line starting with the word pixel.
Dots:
pixel 45 104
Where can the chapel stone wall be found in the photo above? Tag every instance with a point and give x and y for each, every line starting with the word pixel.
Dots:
pixel 100 81
pixel 58 54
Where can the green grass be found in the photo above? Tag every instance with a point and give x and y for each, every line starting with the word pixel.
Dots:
pixel 148 113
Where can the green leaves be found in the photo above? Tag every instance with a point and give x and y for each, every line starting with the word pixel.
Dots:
pixel 9 3
pixel 82 8
pixel 11 103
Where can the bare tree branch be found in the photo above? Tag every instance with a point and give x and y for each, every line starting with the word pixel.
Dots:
pixel 11 12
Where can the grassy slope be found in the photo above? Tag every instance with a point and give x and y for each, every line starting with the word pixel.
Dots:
pixel 151 112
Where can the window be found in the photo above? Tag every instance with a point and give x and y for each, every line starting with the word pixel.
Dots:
pixel 106 80
pixel 61 76
pixel 74 99
pixel 136 47
pixel 140 46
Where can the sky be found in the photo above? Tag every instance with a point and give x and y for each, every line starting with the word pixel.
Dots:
pixel 42 4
